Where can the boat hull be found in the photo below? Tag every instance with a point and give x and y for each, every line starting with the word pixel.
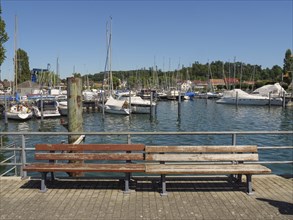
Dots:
pixel 19 116
pixel 257 102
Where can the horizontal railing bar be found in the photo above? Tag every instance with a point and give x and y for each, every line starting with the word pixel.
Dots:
pixel 260 148
pixel 17 149
pixel 272 162
pixel 150 133
pixel 275 147
pixel 10 164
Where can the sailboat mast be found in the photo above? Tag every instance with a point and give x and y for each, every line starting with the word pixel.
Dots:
pixel 15 57
pixel 110 62
pixel 57 72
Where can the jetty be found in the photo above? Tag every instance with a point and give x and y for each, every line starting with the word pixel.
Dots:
pixel 199 198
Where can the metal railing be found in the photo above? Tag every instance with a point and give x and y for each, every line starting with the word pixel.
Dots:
pixel 19 150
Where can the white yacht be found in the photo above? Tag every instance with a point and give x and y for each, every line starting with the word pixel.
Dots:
pixel 239 97
pixel 49 107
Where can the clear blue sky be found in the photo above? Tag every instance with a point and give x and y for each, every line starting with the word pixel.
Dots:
pixel 146 32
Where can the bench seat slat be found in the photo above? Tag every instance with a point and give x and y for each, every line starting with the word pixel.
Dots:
pixel 89 147
pixel 89 156
pixel 203 169
pixel 202 157
pixel 202 149
pixel 81 167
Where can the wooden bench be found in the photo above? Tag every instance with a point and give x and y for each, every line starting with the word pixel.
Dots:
pixel 203 160
pixel 92 158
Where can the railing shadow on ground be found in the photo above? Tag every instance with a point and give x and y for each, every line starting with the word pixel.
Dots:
pixel 285 208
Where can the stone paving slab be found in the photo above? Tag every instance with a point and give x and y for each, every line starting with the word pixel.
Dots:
pixel 193 198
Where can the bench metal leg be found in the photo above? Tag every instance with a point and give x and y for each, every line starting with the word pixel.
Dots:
pixel 52 176
pixel 126 183
pixel 249 184
pixel 239 178
pixel 163 181
pixel 43 182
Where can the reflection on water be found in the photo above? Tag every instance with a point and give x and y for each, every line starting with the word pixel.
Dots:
pixel 23 126
pixel 197 115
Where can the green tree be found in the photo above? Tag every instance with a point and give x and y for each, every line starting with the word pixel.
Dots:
pixel 76 75
pixel 116 82
pixel 23 69
pixel 3 38
pixel 288 66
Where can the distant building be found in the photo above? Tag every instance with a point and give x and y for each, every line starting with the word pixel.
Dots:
pixel 231 81
pixel 186 85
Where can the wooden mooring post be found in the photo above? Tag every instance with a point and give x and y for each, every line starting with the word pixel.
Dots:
pixel 74 99
pixel 179 105
pixel 75 120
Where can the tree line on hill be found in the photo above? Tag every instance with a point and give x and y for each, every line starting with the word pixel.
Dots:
pixel 153 77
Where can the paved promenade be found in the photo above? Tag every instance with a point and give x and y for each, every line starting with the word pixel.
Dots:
pixel 200 198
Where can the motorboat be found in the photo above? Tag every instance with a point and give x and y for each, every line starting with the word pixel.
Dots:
pixel 62 107
pixel 240 97
pixel 47 107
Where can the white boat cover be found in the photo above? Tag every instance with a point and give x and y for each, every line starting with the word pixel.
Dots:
pixel 275 90
pixel 116 103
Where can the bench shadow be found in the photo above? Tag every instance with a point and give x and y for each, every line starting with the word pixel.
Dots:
pixel 143 184
pixel 76 184
pixel 285 208
pixel 196 184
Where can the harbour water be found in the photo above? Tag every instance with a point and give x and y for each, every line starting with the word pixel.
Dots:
pixel 197 115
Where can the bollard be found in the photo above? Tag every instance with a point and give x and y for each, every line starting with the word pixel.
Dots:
pixel 270 99
pixel 236 99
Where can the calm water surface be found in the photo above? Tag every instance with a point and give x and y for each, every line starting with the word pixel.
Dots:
pixel 197 115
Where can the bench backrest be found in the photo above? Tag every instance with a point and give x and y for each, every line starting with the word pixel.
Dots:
pixel 201 153
pixel 84 152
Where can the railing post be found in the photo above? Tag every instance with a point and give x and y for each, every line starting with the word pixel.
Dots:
pixel 284 100
pixel 151 104
pixel 42 107
pixel 129 139
pixel 23 157
pixel 234 139
pixel 15 169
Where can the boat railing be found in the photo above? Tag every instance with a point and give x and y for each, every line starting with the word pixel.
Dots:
pixel 13 155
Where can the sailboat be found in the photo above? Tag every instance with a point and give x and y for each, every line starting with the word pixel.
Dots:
pixel 112 105
pixel 17 111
